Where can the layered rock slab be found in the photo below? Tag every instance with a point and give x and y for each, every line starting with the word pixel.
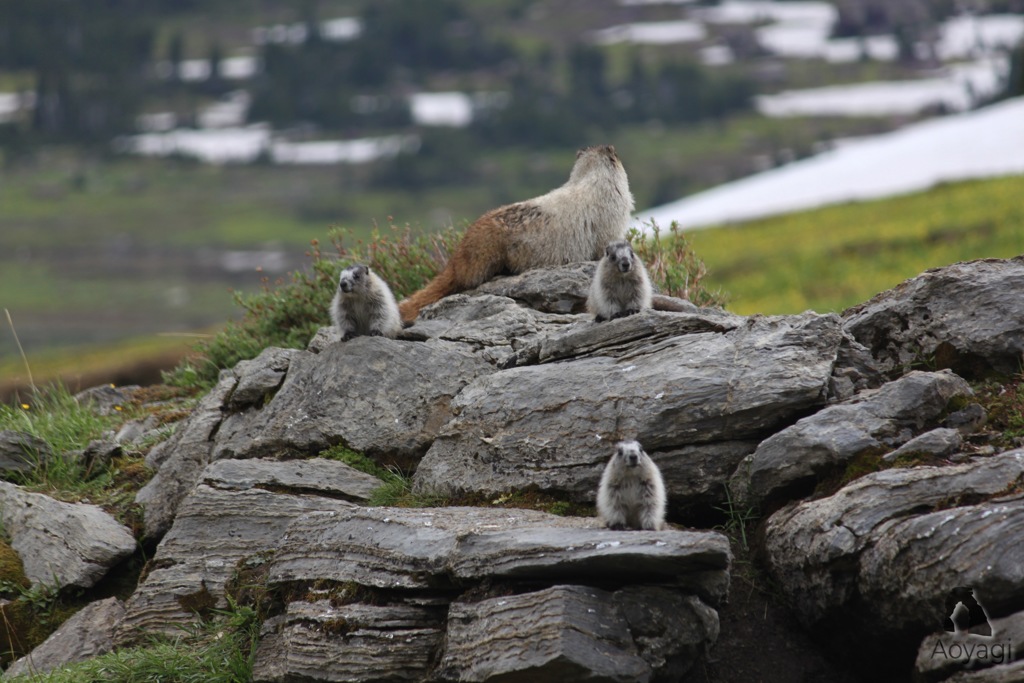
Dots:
pixel 390 574
pixel 876 560
pixel 375 395
pixel 237 510
pixel 967 316
pixel 717 383
pixel 790 463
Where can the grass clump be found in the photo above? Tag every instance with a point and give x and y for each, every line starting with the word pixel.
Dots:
pixel 58 419
pixel 219 651
pixel 674 268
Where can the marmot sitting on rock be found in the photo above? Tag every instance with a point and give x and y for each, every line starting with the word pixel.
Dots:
pixel 364 305
pixel 571 223
pixel 632 493
pixel 621 286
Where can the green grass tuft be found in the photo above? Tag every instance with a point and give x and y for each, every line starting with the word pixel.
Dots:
pixel 220 651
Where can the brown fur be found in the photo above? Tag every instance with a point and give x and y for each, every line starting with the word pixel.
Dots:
pixel 571 223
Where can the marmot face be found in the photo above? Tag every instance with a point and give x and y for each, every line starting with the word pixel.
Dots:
pixel 620 254
pixel 353 278
pixel 629 453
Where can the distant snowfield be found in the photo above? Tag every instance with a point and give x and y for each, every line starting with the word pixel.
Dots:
pixel 959 89
pixel 983 143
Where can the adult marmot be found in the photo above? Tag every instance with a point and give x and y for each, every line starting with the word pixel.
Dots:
pixel 364 305
pixel 632 493
pixel 571 223
pixel 620 286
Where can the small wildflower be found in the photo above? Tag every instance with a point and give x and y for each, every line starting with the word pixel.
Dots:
pixel 25 406
pixel 118 408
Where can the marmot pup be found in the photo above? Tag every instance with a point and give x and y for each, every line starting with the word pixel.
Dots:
pixel 632 493
pixel 364 305
pixel 620 286
pixel 571 223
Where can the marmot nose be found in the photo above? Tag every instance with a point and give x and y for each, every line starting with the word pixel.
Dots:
pixel 624 266
pixel 346 286
pixel 633 461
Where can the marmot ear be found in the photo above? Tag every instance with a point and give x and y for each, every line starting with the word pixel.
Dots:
pixel 579 153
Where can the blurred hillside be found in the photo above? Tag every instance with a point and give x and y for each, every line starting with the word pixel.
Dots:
pixel 157 152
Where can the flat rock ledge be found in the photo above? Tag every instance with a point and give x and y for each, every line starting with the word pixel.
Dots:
pixel 473 594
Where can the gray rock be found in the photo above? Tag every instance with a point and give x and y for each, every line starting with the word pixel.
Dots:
pixel 397 548
pixel 22 452
pixel 105 399
pixel 62 544
pixel 562 289
pixel 671 630
pixel 320 641
pixel 938 442
pixel 550 426
pixel 324 337
pixel 238 509
pixel 260 377
pixel 99 453
pixel 557 634
pixel 378 396
pixel 87 634
pixel 967 316
pixel 967 420
pixel 180 459
pixel 789 463
pixel 621 337
pixel 876 559
pixel 316 476
pixel 495 326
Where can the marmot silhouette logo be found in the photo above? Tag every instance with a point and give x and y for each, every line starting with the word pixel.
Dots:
pixel 964 614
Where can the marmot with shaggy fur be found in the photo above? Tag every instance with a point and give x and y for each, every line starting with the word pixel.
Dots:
pixel 632 493
pixel 620 286
pixel 364 305
pixel 571 223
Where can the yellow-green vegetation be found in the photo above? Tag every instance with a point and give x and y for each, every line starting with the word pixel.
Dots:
pixel 832 258
pixel 221 650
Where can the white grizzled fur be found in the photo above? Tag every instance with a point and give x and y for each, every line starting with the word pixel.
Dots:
pixel 593 208
pixel 364 305
pixel 631 497
pixel 614 292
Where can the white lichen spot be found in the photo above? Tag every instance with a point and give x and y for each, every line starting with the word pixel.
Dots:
pixel 597 436
pixel 607 544
pixel 629 368
pixel 502 603
pixel 386 520
pixel 660 543
pixel 659 395
pixel 428 523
